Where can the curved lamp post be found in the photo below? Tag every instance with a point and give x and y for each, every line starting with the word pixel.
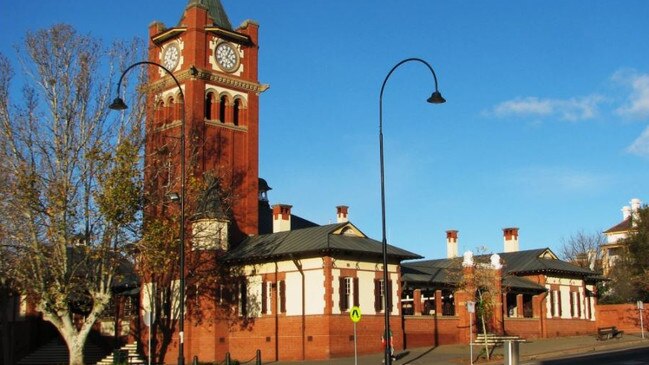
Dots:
pixel 118 104
pixel 435 98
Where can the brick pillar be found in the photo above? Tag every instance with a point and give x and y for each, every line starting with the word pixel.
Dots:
pixel 416 302
pixel 461 297
pixel 498 306
pixel 438 302
pixel 519 306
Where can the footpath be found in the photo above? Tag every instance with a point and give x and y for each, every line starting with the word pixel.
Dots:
pixel 459 354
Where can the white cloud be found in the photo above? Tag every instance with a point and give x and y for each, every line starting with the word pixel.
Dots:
pixel 637 103
pixel 573 109
pixel 641 145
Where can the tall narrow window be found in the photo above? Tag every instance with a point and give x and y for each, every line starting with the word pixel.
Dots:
pixel 222 102
pixel 356 293
pixel 345 293
pixel 208 106
pixel 282 296
pixel 264 297
pixel 552 305
pixel 559 305
pixel 378 295
pixel 236 108
pixel 243 299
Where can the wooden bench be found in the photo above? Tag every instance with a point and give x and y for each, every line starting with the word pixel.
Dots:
pixel 606 333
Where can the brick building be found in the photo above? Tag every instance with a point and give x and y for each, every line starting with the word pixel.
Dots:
pixel 293 282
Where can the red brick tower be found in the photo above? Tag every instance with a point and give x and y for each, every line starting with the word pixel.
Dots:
pixel 216 67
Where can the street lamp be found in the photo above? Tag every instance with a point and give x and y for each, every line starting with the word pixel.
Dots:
pixel 435 98
pixel 118 104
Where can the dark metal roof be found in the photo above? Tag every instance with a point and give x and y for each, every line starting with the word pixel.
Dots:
pixel 541 260
pixel 517 282
pixel 215 10
pixel 329 239
pixel 515 264
pixel 443 271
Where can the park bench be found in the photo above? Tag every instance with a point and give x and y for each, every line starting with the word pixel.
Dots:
pixel 493 341
pixel 606 333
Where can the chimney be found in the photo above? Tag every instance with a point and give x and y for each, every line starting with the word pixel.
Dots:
pixel 635 206
pixel 341 214
pixel 626 212
pixel 281 218
pixel 451 244
pixel 510 237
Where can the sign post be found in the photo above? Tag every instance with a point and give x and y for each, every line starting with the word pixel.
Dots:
pixel 148 321
pixel 355 315
pixel 640 309
pixel 470 307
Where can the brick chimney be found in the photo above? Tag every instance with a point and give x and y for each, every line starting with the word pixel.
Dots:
pixel 510 236
pixel 451 244
pixel 341 214
pixel 281 218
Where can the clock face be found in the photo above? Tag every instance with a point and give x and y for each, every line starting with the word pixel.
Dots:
pixel 227 57
pixel 171 56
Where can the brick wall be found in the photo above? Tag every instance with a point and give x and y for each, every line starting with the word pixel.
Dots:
pixel 625 317
pixel 423 331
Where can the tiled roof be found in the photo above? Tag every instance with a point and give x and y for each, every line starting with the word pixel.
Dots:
pixel 312 241
pixel 623 226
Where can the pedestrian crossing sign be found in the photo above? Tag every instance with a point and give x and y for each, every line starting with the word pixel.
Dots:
pixel 355 314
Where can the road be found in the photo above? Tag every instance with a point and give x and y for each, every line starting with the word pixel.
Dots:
pixel 634 356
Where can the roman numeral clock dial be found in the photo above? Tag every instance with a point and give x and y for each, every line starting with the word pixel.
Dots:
pixel 227 57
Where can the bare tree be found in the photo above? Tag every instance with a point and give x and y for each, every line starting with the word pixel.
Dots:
pixel 479 280
pixel 73 179
pixel 583 249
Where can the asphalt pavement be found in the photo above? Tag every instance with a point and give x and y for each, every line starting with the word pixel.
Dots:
pixel 460 354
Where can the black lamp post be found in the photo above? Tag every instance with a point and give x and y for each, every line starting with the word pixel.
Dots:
pixel 435 98
pixel 118 104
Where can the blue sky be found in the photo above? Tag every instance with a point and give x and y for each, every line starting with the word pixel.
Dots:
pixel 546 127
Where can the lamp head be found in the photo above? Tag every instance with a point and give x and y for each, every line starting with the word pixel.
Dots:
pixel 436 98
pixel 118 104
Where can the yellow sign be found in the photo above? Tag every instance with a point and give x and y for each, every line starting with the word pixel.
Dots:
pixel 355 314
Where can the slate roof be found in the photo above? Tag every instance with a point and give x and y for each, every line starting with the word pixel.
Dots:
pixel 623 226
pixel 312 241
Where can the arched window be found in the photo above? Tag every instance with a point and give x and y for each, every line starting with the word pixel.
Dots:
pixel 236 108
pixel 222 108
pixel 169 109
pixel 208 105
pixel 159 112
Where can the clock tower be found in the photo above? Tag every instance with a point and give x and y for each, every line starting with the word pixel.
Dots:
pixel 216 67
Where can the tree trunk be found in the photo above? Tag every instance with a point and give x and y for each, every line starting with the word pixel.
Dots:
pixel 75 347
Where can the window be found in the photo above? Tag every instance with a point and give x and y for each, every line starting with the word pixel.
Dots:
pixel 222 102
pixel 243 299
pixel 349 295
pixel 552 305
pixel 379 295
pixel 236 108
pixel 282 296
pixel 208 105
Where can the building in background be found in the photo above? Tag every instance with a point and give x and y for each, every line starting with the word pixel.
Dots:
pixel 614 246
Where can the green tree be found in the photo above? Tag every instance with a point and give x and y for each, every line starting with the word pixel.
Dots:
pixel 72 188
pixel 629 276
